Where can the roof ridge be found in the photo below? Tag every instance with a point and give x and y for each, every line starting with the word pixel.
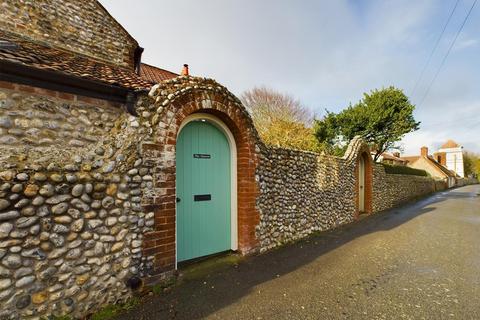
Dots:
pixel 450 144
pixel 441 166
pixel 150 65
pixel 155 74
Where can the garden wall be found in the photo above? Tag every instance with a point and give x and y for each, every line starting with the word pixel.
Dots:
pixel 87 192
pixel 465 181
pixel 391 190
pixel 303 192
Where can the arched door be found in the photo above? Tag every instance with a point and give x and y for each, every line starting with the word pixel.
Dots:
pixel 361 184
pixel 203 191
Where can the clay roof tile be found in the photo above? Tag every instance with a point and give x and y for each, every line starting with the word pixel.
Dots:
pixel 41 56
pixel 449 144
pixel 154 74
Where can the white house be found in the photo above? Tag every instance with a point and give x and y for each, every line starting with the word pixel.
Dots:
pixel 450 155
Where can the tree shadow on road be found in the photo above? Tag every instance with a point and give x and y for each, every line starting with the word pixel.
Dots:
pixel 199 297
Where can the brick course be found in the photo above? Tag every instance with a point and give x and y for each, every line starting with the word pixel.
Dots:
pixel 227 108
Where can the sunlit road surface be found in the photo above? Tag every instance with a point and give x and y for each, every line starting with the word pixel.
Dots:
pixel 420 261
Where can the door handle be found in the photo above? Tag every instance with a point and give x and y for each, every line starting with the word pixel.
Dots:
pixel 178 199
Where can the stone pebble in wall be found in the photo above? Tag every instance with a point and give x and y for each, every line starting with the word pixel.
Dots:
pixel 79 26
pixel 71 231
pixel 300 193
pixel 391 190
pixel 39 121
pixel 303 192
pixel 42 128
pixel 68 248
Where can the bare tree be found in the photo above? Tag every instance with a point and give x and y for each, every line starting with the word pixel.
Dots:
pixel 280 119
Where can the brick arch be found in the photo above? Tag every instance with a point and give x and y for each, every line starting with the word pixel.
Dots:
pixel 358 148
pixel 248 216
pixel 220 103
pixel 365 154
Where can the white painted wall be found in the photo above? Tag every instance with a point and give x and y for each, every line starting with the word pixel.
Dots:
pixel 454 160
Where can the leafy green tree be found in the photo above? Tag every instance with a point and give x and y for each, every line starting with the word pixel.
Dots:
pixel 382 118
pixel 280 119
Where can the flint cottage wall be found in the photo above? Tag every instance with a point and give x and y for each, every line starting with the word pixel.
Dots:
pixel 83 27
pixel 87 192
pixel 72 224
pixel 42 125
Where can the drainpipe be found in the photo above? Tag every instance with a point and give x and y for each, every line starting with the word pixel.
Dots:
pixel 137 59
pixel 131 101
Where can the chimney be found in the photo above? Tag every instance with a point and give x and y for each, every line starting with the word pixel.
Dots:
pixel 396 154
pixel 185 70
pixel 424 151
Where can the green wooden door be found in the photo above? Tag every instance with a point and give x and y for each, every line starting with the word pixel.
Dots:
pixel 203 191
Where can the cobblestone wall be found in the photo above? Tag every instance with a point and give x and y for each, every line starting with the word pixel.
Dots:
pixel 78 219
pixel 78 26
pixel 72 224
pixel 42 128
pixel 465 181
pixel 301 193
pixel 391 190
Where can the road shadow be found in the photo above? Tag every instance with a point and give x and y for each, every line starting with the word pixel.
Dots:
pixel 199 297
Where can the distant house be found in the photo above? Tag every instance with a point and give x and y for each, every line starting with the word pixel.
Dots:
pixel 426 162
pixel 391 158
pixel 450 155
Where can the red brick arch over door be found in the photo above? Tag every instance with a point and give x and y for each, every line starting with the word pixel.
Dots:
pixel 220 103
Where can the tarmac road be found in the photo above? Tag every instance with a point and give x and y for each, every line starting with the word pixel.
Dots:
pixel 420 261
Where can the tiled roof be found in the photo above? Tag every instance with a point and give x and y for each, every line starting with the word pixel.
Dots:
pixel 410 159
pixel 433 163
pixel 42 57
pixel 441 167
pixel 450 144
pixel 389 156
pixel 154 74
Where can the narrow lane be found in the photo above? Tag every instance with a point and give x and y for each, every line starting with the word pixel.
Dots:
pixel 421 261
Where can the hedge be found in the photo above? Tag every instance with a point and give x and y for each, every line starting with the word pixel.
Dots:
pixel 390 169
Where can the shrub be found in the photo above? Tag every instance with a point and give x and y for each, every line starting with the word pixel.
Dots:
pixel 280 119
pixel 391 169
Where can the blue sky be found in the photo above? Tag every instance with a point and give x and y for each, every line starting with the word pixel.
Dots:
pixel 326 53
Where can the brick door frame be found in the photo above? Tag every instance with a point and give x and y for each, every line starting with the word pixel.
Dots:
pixel 233 175
pixel 160 244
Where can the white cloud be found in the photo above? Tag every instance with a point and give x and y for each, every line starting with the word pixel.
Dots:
pixel 462 44
pixel 326 53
